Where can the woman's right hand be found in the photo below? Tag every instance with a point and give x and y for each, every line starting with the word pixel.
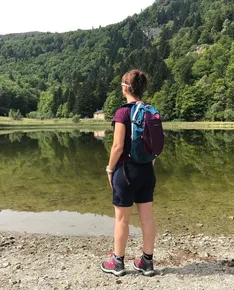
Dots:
pixel 109 175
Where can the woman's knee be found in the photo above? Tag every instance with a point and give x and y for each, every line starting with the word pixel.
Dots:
pixel 122 220
pixel 122 215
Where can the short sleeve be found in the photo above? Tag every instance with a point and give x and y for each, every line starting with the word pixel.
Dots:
pixel 121 116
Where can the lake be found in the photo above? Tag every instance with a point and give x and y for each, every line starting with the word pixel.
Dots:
pixel 55 182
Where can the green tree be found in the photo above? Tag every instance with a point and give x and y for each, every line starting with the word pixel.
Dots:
pixel 45 103
pixel 112 103
pixel 191 104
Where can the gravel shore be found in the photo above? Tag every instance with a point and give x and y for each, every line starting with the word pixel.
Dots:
pixel 46 262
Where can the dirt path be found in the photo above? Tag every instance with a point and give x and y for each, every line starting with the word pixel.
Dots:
pixel 45 262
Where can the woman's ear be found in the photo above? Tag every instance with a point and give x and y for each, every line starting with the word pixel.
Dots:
pixel 124 90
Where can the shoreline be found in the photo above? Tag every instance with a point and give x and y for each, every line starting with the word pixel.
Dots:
pixel 8 124
pixel 43 261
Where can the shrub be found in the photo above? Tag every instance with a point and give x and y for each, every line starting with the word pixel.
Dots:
pixel 48 115
pixel 76 118
pixel 15 115
pixel 33 115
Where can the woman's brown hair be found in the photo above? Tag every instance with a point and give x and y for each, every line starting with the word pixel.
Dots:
pixel 137 80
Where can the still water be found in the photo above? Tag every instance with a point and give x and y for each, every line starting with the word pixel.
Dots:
pixel 55 182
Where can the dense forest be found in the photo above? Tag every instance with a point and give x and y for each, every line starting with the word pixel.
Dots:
pixel 186 47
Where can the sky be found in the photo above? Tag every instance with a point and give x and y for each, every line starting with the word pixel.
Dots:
pixel 64 15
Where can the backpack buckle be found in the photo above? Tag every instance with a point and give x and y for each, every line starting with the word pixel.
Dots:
pixel 138 122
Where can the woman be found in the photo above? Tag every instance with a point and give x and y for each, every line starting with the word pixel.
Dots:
pixel 139 189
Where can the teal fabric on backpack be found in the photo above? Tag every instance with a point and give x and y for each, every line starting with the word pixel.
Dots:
pixel 137 151
pixel 146 132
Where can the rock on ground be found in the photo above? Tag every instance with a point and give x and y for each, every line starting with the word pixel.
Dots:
pixel 45 262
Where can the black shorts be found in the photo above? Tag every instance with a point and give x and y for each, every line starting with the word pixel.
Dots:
pixel 133 182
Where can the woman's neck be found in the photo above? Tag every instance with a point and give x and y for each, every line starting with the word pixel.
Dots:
pixel 130 98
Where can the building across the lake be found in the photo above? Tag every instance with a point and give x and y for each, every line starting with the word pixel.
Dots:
pixel 99 114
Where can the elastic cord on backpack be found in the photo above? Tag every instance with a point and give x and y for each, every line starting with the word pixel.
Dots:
pixel 125 174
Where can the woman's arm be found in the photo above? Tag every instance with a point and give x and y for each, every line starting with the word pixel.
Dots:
pixel 118 145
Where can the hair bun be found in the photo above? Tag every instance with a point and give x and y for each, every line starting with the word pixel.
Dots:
pixel 138 79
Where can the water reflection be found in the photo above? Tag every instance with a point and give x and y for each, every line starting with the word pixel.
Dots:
pixel 99 134
pixel 58 222
pixel 65 171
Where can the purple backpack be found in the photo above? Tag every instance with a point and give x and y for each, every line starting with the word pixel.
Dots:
pixel 147 137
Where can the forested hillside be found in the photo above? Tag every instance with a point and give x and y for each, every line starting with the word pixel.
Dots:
pixel 186 46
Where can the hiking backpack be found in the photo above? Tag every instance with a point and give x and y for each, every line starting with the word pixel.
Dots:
pixel 147 137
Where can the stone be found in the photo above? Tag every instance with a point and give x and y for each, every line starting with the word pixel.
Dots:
pixel 199 225
pixel 5 265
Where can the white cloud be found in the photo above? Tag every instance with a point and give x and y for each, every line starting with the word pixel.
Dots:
pixel 64 15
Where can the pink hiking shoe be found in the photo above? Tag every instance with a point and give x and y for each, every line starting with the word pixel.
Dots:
pixel 144 266
pixel 114 267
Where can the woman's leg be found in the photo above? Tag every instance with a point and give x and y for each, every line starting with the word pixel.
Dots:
pixel 148 226
pixel 145 264
pixel 121 233
pixel 116 264
pixel 123 199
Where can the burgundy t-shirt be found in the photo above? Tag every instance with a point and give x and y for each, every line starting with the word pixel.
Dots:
pixel 122 115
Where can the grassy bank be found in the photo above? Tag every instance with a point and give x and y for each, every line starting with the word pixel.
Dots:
pixel 8 123
pixel 198 125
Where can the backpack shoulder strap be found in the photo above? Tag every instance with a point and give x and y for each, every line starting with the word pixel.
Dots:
pixel 136 106
pixel 128 105
pixel 134 112
pixel 151 109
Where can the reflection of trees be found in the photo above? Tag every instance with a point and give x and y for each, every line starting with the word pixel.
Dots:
pixel 194 181
pixel 53 170
pixel 15 137
pixel 207 152
pixel 197 169
pixel 107 140
pixel 66 171
pixel 54 150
